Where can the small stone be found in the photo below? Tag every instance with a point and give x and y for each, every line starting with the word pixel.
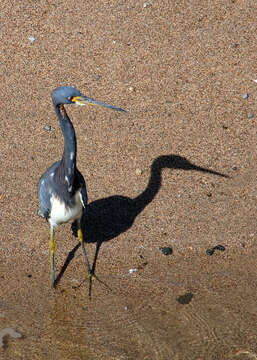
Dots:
pixel 166 250
pixel 209 194
pixel 32 39
pixel 131 271
pixel 139 172
pixel 131 88
pixel 47 128
pixel 147 4
pixel 185 299
pixel 219 247
pixel 250 116
pixel 8 331
pixel 125 308
pixel 234 168
pixel 245 96
pixel 210 251
pixel 97 77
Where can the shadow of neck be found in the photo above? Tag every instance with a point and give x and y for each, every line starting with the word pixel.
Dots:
pixel 153 186
pixel 155 180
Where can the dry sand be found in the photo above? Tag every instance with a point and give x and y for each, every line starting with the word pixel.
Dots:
pixel 180 69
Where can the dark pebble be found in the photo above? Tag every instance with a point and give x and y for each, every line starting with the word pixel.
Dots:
pixel 185 299
pixel 47 128
pixel 209 194
pixel 245 96
pixel 209 251
pixel 219 247
pixel 29 275
pixel 166 250
pixel 97 77
pixel 234 168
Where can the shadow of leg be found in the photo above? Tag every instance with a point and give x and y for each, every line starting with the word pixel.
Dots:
pixel 66 264
pixel 98 245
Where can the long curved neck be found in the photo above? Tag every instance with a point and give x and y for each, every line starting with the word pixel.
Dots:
pixel 70 145
pixel 153 186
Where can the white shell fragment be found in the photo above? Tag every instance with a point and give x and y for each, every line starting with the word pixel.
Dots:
pixel 132 270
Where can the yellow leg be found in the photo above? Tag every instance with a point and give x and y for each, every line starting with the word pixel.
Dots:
pixel 52 249
pixel 80 234
pixel 81 240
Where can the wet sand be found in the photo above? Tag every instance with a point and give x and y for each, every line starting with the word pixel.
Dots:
pixel 177 170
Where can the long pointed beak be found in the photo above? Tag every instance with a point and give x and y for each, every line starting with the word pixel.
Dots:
pixel 84 100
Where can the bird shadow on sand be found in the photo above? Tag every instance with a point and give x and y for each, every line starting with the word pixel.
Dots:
pixel 106 218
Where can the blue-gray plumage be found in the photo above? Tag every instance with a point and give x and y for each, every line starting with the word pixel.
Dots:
pixel 61 189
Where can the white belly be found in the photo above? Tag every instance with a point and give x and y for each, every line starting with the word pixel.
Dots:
pixel 61 214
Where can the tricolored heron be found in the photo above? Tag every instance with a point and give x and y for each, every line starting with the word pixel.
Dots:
pixel 61 189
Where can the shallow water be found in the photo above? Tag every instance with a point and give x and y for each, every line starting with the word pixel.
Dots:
pixel 201 315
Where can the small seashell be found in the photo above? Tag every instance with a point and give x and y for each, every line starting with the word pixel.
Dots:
pixel 132 270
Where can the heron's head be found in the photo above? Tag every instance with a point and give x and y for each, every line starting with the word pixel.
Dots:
pixel 65 95
pixel 70 95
